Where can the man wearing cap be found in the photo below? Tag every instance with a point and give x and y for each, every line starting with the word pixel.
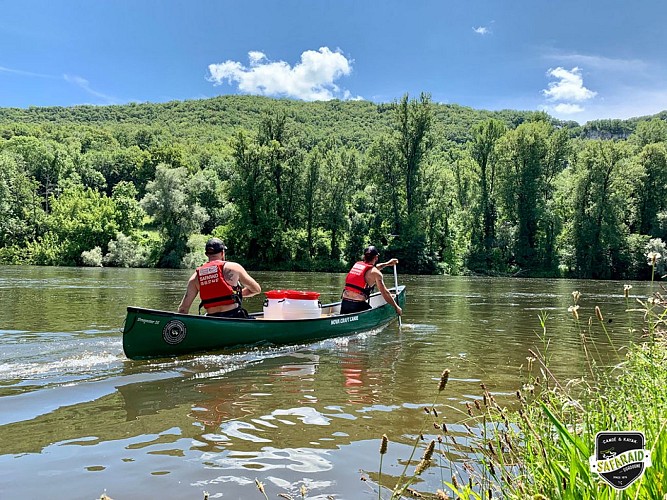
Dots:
pixel 362 279
pixel 218 284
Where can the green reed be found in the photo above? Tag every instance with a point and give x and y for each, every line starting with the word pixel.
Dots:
pixel 540 448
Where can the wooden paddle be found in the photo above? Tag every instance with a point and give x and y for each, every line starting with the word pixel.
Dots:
pixel 396 292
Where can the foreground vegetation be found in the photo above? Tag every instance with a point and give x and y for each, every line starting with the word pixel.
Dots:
pixel 293 185
pixel 541 448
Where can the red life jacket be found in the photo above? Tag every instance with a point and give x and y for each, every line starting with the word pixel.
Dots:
pixel 213 289
pixel 356 281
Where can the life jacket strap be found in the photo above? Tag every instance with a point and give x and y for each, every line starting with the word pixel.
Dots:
pixel 364 291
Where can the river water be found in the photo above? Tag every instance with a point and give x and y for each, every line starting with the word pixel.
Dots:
pixel 78 419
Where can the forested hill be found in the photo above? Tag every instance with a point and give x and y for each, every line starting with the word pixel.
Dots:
pixel 356 122
pixel 297 185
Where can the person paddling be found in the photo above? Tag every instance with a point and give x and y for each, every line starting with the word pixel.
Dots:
pixel 218 283
pixel 364 276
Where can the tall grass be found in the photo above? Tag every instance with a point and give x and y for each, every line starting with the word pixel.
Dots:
pixel 540 449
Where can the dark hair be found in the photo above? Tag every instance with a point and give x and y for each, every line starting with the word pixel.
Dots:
pixel 370 252
pixel 213 246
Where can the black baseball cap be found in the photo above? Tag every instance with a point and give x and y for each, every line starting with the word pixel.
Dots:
pixel 371 251
pixel 213 246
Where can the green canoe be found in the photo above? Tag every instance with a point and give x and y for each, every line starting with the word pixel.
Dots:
pixel 149 333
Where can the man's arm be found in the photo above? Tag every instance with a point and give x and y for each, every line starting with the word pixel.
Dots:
pixel 391 262
pixel 190 293
pixel 379 281
pixel 250 286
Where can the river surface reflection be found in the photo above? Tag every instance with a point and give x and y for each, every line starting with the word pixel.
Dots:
pixel 77 418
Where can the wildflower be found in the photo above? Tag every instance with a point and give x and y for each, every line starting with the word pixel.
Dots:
pixel 429 450
pixel 626 290
pixel 303 491
pixel 653 257
pixel 528 387
pixel 598 313
pixel 573 310
pixel 421 467
pixel 383 444
pixel 576 295
pixel 443 380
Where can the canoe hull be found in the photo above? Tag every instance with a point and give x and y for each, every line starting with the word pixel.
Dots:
pixel 150 333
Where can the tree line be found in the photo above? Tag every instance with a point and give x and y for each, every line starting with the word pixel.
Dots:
pixel 305 186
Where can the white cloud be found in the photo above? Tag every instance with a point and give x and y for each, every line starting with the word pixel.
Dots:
pixel 481 30
pixel 4 69
pixel 312 79
pixel 567 109
pixel 600 63
pixel 256 57
pixel 85 85
pixel 569 87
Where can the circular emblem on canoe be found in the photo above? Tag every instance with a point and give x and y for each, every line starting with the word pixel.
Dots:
pixel 174 332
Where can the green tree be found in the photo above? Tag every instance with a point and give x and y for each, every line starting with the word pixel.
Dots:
pixel 312 197
pixel 413 120
pixel 81 219
pixel 384 166
pixel 600 200
pixel 649 132
pixel 651 188
pixel 129 214
pixel 44 160
pixel 254 227
pixel 531 156
pixel 21 214
pixel 341 167
pixel 170 200
pixel 482 151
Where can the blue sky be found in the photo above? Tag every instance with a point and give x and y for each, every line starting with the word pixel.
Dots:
pixel 578 60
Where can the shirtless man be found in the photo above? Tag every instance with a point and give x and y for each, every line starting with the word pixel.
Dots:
pixel 218 283
pixel 362 279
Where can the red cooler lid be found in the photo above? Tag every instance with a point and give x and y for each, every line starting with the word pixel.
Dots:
pixel 299 295
pixel 275 294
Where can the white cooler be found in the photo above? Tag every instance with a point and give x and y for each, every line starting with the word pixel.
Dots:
pixel 301 305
